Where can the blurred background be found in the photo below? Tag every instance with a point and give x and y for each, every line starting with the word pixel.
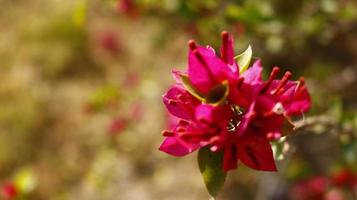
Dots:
pixel 81 84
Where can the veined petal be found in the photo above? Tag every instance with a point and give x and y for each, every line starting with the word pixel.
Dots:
pixel 255 152
pixel 230 160
pixel 179 103
pixel 205 69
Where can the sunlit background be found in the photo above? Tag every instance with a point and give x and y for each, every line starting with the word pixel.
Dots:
pixel 81 84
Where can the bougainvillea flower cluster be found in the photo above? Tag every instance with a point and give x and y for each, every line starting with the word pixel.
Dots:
pixel 226 105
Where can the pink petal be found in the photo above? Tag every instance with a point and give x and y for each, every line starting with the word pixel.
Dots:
pixel 273 123
pixel 204 113
pixel 230 158
pixel 301 103
pixel 244 95
pixel 171 121
pixel 253 75
pixel 175 105
pixel 213 114
pixel 173 146
pixel 266 103
pixel 208 71
pixel 247 92
pixel 256 152
pixel 245 122
pixel 222 114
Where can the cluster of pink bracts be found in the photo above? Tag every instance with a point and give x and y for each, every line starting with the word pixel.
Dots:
pixel 229 109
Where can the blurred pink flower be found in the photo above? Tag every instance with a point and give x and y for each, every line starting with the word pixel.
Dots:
pixel 131 80
pixel 312 188
pixel 109 41
pixel 345 178
pixel 117 125
pixel 8 191
pixel 137 111
pixel 128 7
pixel 228 111
pixel 324 187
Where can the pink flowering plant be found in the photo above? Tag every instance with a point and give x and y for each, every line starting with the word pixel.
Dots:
pixel 225 109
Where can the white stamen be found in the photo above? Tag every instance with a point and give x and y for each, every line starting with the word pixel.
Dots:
pixel 278 109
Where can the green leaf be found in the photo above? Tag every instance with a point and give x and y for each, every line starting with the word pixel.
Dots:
pixel 210 164
pixel 188 86
pixel 243 59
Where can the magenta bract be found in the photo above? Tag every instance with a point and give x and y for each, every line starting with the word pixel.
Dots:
pixel 237 113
